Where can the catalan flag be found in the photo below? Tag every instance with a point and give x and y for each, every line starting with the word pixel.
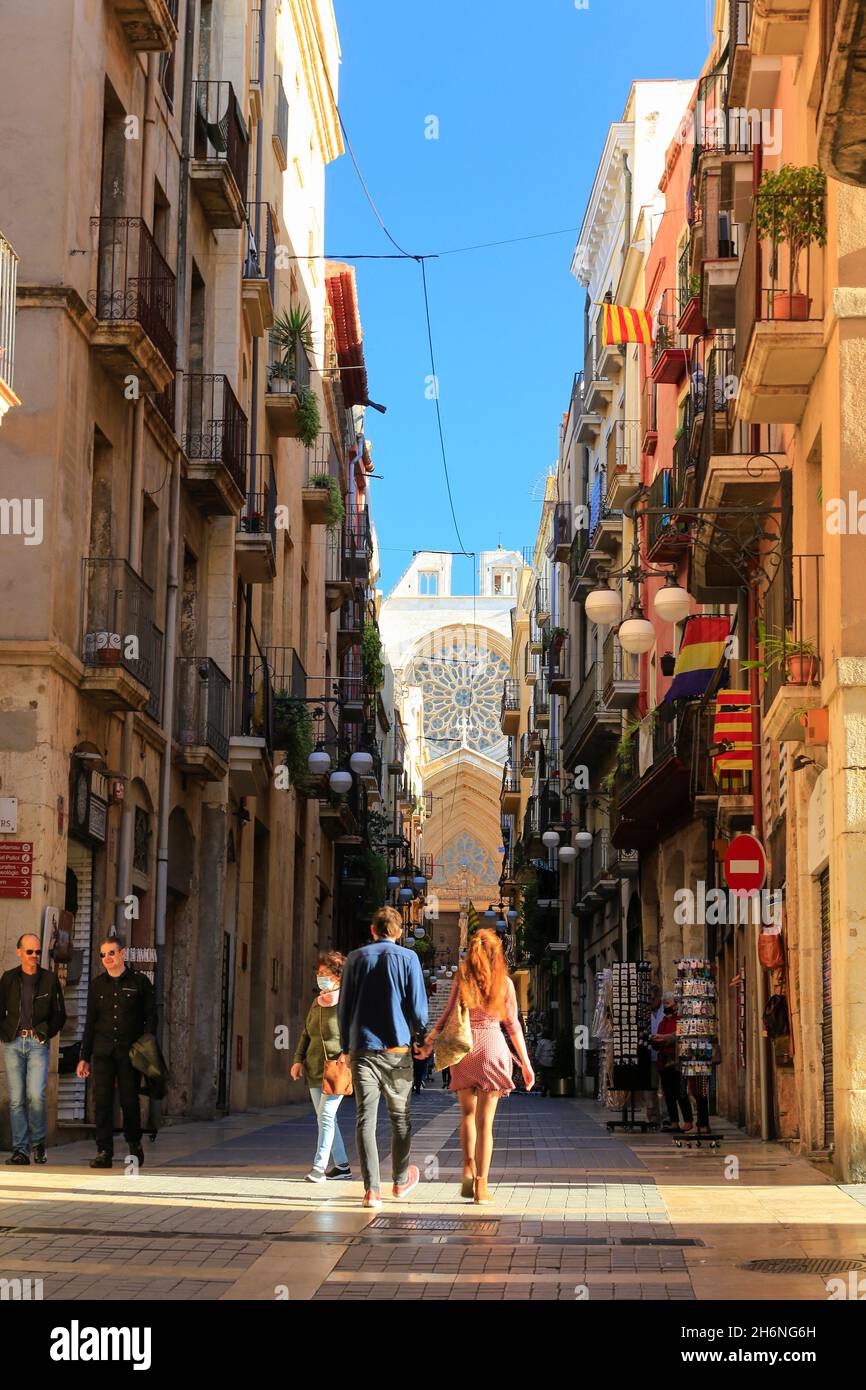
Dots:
pixel 623 325
pixel 733 726
pixel 702 649
pixel 472 921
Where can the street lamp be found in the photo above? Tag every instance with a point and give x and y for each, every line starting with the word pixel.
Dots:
pixel 340 781
pixel 361 762
pixel 583 838
pixel 603 605
pixel 567 854
pixel 550 839
pixel 672 603
pixel 319 761
pixel 636 634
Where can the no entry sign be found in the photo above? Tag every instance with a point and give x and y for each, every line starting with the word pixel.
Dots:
pixel 745 864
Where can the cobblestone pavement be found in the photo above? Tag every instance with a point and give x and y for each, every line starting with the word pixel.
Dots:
pixel 221 1211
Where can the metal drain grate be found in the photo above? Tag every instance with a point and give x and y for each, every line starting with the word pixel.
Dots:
pixel 427 1223
pixel 802 1266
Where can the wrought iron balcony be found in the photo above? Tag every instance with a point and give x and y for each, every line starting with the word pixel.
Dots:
pixel 118 636
pixel 509 794
pixel 621 674
pixel 509 715
pixel 134 302
pixel 542 601
pixel 590 727
pixel 541 701
pixel 280 135
pixel 202 718
pixel 218 169
pixel 558 671
pixel 670 347
pixel 259 278
pixel 256 542
pixel 562 532
pixel 779 322
pixel 215 444
pixel 357 542
pixel 793 618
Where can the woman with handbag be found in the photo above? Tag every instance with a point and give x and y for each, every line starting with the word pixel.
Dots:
pixel 318 1057
pixel 469 1039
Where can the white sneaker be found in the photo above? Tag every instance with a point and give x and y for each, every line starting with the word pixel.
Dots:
pixel 316 1175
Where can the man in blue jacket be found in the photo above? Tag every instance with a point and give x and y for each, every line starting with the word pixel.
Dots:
pixel 382 1010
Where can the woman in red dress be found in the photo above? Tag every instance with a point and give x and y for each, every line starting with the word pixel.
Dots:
pixel 484 1074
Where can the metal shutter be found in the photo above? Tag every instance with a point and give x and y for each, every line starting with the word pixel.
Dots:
pixel 70 1091
pixel 827 1015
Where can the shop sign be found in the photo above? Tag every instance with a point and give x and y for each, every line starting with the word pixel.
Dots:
pixel 818 826
pixel 8 815
pixel 16 868
pixel 97 819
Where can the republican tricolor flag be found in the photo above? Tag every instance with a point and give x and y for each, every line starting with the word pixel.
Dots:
pixel 624 325
pixel 699 657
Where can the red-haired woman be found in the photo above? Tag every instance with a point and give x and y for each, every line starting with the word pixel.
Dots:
pixel 484 1074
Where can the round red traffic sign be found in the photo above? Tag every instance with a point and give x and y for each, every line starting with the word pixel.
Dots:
pixel 745 864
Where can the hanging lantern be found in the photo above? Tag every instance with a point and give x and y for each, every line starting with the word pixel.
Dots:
pixel 512 914
pixel 583 839
pixel 603 605
pixel 406 893
pixel 567 854
pixel 393 880
pixel 550 839
pixel 419 882
pixel 636 635
pixel 318 762
pixel 672 603
pixel 490 914
pixel 361 762
pixel 340 781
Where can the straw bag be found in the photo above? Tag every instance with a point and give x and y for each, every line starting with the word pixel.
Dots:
pixel 455 1041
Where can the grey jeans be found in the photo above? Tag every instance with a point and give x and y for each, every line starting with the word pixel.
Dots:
pixel 387 1074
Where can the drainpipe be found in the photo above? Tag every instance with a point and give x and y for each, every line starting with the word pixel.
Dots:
pixel 174 515
pixel 124 849
pixel 758 830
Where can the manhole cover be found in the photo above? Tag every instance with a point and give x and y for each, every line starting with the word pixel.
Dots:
pixel 422 1223
pixel 802 1266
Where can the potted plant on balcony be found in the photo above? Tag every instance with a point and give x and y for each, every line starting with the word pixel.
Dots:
pixel 293 731
pixel 309 419
pixel 790 208
pixel 253 523
pixel 782 649
pixel 371 651
pixel 289 329
pixel 336 510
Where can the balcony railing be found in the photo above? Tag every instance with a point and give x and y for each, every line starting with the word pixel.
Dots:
pixel 562 532
pixel 260 258
pixel 281 122
pixel 134 283
pixel 588 700
pixel 153 708
pixel 216 427
pixel 670 347
pixel 531 665
pixel 541 697
pixel 220 132
pixel 118 628
pixel 259 514
pixel 8 290
pixel 720 128
pixel 510 697
pixel 649 417
pixel 793 605
pixel 202 705
pixel 288 370
pixel 321 461
pixel 542 600
pixel 253 696
pixel 659 519
pixel 619 667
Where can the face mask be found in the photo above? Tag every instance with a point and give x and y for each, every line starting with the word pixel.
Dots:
pixel 325 983
pixel 669 1008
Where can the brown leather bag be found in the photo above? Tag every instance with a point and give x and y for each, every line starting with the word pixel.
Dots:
pixel 770 951
pixel 337 1076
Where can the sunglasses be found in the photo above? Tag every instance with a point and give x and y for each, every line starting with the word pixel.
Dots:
pixel 105 955
pixel 25 951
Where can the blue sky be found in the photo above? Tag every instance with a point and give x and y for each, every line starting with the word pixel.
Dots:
pixel 523 95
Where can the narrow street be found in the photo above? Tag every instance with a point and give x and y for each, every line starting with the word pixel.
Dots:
pixel 221 1211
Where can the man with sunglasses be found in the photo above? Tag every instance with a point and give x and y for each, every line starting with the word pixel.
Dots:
pixel 31 1013
pixel 121 1006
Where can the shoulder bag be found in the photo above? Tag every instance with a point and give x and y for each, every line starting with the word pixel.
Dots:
pixel 336 1073
pixel 455 1040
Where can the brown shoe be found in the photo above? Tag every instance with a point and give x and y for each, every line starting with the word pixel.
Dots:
pixel 467 1186
pixel 482 1196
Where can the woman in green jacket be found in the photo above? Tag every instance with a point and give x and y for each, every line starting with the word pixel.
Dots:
pixel 321 1039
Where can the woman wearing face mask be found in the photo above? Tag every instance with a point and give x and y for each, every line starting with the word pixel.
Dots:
pixel 665 1041
pixel 320 1040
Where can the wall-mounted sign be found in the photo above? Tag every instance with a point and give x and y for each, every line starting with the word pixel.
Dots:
pixel 818 826
pixel 8 815
pixel 16 868
pixel 97 819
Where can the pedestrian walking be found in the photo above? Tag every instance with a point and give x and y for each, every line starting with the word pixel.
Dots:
pixel 121 1008
pixel 665 1042
pixel 382 1008
pixel 31 1013
pixel 483 1075
pixel 318 1045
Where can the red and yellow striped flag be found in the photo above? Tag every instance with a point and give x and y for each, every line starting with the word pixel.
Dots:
pixel 623 325
pixel 733 725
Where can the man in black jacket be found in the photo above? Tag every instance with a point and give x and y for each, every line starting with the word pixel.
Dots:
pixel 31 1012
pixel 121 1006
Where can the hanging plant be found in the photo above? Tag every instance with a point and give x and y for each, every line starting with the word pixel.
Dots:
pixel 309 419
pixel 336 510
pixel 293 730
pixel 371 650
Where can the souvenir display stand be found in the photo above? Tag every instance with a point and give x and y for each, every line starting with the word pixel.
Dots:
pixel 697 1035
